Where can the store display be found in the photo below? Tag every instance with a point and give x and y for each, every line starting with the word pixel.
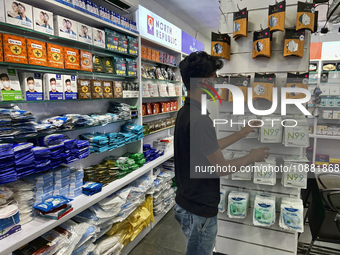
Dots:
pixel 296 136
pixel 133 45
pixel 55 56
pixel 65 27
pixel 86 61
pixel 71 57
pixel 32 86
pixel 277 16
pixel 305 16
pixel 10 224
pixel 96 89
pixel 240 24
pixel 43 21
pixel 15 49
pixel 291 216
pixel 242 82
pixel 220 45
pixel 20 15
pixel 263 86
pixel 53 87
pixel 244 174
pixel 262 43
pixel 296 177
pixel 37 53
pixel 118 89
pixel 222 206
pixel 84 33
pixel 131 67
pixel 107 89
pixel 122 43
pixel 294 43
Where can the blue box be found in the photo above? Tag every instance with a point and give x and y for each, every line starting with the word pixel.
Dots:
pixel 95 9
pixel 62 191
pixel 62 183
pixel 43 190
pixel 9 225
pixel 76 175
pixel 101 11
pixel 337 102
pixel 107 14
pixel 61 172
pixel 42 198
pixel 322 159
pixel 330 102
pixel 76 184
pixel 75 193
pixel 323 102
pixel 40 179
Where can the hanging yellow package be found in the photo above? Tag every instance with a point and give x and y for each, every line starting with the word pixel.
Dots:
pixel 220 45
pixel 297 81
pixel 305 16
pixel 294 43
pixel 262 43
pixel 240 24
pixel 242 82
pixel 277 16
pixel 263 86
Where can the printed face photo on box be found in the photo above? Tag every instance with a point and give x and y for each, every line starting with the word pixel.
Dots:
pixel 53 85
pixel 84 32
pixel 5 82
pixel 66 27
pixel 43 20
pixel 21 12
pixel 99 37
pixel 68 86
pixel 31 85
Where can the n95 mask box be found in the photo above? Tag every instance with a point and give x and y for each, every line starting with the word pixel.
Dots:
pixel 9 85
pixel 19 13
pixel 32 86
pixel 53 87
pixel 70 87
pixel 65 27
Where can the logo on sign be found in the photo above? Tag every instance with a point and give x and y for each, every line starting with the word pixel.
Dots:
pixel 151 25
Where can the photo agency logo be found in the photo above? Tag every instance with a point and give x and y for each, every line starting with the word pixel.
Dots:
pixel 238 101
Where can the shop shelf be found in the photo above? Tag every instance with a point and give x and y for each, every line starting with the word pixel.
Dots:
pixel 147 79
pixel 45 69
pixel 160 97
pixel 159 114
pixel 330 137
pixel 159 130
pixel 313 71
pixel 39 226
pixel 29 33
pixel 156 62
pixel 63 101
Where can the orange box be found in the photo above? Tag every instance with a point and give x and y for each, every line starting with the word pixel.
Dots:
pixel 149 53
pixel 36 52
pixel 1 51
pixel 86 61
pixel 153 55
pixel 15 50
pixel 144 52
pixel 55 55
pixel 71 58
pixel 167 107
pixel 157 56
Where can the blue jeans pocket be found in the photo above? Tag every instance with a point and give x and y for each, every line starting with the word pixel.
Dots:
pixel 184 218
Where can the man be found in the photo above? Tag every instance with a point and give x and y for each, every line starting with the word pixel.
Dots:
pixel 22 15
pixel 86 33
pixel 5 82
pixel 196 144
pixel 68 86
pixel 53 85
pixel 69 28
pixel 30 85
pixel 47 19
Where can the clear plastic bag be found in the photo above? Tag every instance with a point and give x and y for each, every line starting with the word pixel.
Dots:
pixel 104 244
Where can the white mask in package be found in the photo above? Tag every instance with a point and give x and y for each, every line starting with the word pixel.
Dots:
pixel 291 216
pixel 246 119
pixel 238 204
pixel 297 136
pixel 296 177
pixel 264 173
pixel 245 173
pixel 222 207
pixel 271 131
pixel 264 211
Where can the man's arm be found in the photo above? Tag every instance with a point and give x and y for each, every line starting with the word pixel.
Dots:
pixel 255 155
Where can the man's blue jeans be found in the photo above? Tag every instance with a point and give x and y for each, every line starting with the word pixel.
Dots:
pixel 200 232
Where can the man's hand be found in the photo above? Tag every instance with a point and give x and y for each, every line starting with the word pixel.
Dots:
pixel 259 155
pixel 248 129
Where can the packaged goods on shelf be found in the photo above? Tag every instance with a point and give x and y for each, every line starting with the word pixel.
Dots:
pixel 264 173
pixel 15 49
pixel 294 43
pixel 305 16
pixel 43 21
pixel 98 64
pixel 23 16
pixel 1 48
pixel 297 136
pixel 296 176
pixel 71 58
pixel 264 211
pixel 164 143
pixel 271 131
pixel 240 24
pixel 118 89
pixel 108 65
pixel 84 89
pixel 98 37
pixel 55 56
pixel 86 61
pixel 122 43
pixel 70 87
pixel 130 89
pixel 245 173
pixel 120 66
pixel 222 206
pixel 242 82
pixel 297 81
pixel 2 12
pixel 53 87
pixel 111 40
pixel 65 27
pixel 246 120
pixel 107 89
pixel 11 223
pixel 153 126
pixel 84 33
pixel 115 18
pixel 132 45
pixel 276 16
pixel 32 86
pixel 291 216
pixel 131 67
pixel 37 53
pixel 150 153
pixel 96 89
pixel 238 204
pixel 10 85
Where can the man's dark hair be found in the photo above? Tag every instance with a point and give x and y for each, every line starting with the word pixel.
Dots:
pixel 69 22
pixel 4 75
pixel 30 79
pixel 199 65
pixel 53 79
pixel 67 80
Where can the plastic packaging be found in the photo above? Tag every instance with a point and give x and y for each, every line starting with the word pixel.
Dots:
pixel 104 244
pixel 264 211
pixel 52 203
pixel 222 207
pixel 238 204
pixel 291 216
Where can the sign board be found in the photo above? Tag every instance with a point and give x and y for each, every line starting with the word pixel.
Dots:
pixel 330 50
pixel 190 44
pixel 157 29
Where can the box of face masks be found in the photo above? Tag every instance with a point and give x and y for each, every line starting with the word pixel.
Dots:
pixel 84 33
pixel 10 85
pixel 19 14
pixel 43 189
pixel 62 183
pixel 43 21
pixel 98 38
pixel 40 179
pixel 32 86
pixel 63 191
pixel 76 184
pixel 2 11
pixel 61 173
pixel 76 175
pixel 75 193
pixel 70 87
pixel 42 198
pixel 53 87
pixel 65 27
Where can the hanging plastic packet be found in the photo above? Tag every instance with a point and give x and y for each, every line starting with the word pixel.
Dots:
pixel 297 136
pixel 52 203
pixel 291 216
pixel 245 173
pixel 264 172
pixel 276 16
pixel 264 211
pixel 262 43
pixel 263 86
pixel 271 131
pixel 294 43
pixel 238 204
pixel 305 16
pixel 297 174
pixel 222 206
pixel 240 24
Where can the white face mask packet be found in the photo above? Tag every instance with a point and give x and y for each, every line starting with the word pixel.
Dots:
pixel 238 204
pixel 245 173
pixel 271 131
pixel 297 136
pixel 104 244
pixel 296 176
pixel 291 216
pixel 264 211
pixel 264 173
pixel 222 207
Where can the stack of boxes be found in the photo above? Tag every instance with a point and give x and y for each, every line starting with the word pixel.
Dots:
pixel 321 160
pixel 158 56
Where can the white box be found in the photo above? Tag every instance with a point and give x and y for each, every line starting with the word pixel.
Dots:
pixel 9 85
pixel 19 14
pixel 324 89
pixel 334 90
pixel 65 27
pixel 2 11
pixel 43 21
pixel 70 87
pixel 32 86
pixel 98 37
pixel 53 87
pixel 84 33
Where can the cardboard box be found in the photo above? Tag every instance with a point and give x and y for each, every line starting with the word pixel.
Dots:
pixel 112 40
pixel 1 51
pixel 32 86
pixel 85 33
pixel 118 89
pixel 55 56
pixel 144 52
pixel 86 61
pixel 37 53
pixel 43 21
pixel 84 89
pixel 2 11
pixel 149 53
pixel 76 175
pixel 96 89
pixel 43 189
pixel 15 49
pixel 10 226
pixel 19 14
pixel 70 87
pixel 40 179
pixel 71 58
pixel 98 38
pixel 10 85
pixel 120 66
pixel 107 89
pixel 65 27
pixel 153 55
pixel 53 87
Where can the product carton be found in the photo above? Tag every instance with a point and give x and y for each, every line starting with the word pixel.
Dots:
pixel 32 86
pixel 65 27
pixel 43 21
pixel 84 33
pixel 70 87
pixel 10 85
pixel 98 37
pixel 19 14
pixel 53 87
